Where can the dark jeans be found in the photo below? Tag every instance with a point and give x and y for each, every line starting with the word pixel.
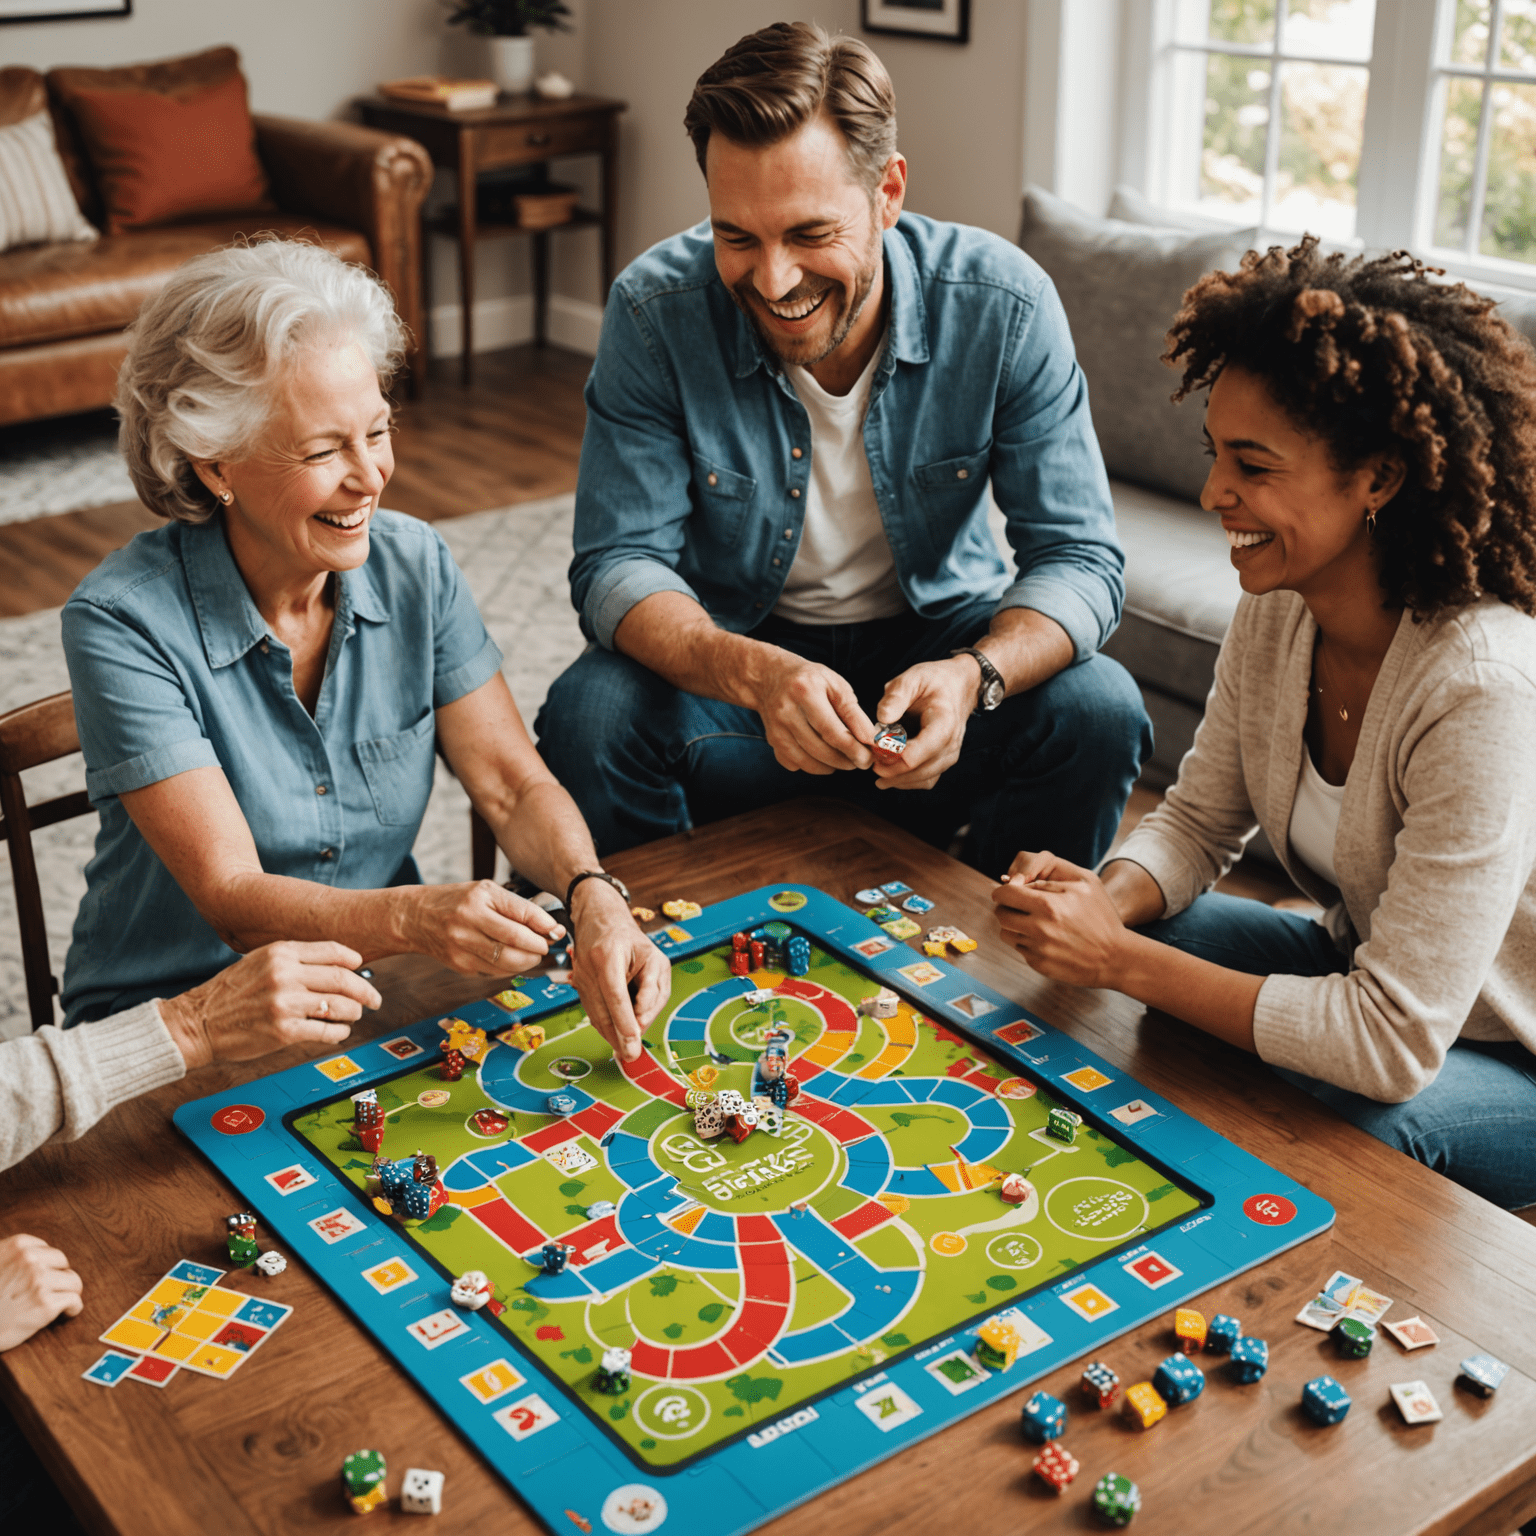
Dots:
pixel 1050 768
pixel 1473 1123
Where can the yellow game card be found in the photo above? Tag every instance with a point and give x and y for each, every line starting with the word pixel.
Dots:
pixel 338 1067
pixel 492 1381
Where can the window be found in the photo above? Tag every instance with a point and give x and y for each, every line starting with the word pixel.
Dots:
pixel 1375 122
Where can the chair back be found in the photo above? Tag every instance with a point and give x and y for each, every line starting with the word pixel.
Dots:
pixel 33 734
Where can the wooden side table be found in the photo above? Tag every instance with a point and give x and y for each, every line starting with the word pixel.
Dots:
pixel 519 130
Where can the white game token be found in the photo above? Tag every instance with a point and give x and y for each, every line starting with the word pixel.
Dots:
pixel 1415 1402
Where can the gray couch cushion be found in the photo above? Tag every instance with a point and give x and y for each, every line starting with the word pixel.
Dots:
pixel 1121 285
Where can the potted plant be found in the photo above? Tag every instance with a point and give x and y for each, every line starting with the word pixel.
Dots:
pixel 505 25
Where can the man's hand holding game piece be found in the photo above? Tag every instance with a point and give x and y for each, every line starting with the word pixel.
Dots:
pixel 1062 920
pixel 479 928
pixel 281 994
pixel 941 694
pixel 810 715
pixel 621 977
pixel 36 1285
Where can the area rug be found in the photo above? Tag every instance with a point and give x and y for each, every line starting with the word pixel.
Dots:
pixel 64 465
pixel 514 559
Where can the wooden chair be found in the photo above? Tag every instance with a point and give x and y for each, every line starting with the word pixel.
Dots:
pixel 35 733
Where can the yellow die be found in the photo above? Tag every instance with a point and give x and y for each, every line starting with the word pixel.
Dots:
pixel 933 948
pixel 366 1503
pixel 1143 1405
pixel 962 943
pixel 997 1344
pixel 1189 1328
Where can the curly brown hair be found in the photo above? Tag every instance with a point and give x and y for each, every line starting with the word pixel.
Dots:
pixel 1375 356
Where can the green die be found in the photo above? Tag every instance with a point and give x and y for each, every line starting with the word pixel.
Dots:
pixel 362 1472
pixel 1116 1499
pixel 1353 1337
pixel 1062 1124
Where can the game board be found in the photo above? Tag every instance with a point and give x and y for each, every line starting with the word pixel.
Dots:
pixel 798 1307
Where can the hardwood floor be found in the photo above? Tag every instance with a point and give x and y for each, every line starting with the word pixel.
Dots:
pixel 514 435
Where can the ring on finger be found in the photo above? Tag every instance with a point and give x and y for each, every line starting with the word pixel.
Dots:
pixel 324 1010
pixel 496 958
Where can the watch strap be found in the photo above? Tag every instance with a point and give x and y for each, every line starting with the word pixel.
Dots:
pixel 989 673
pixel 593 874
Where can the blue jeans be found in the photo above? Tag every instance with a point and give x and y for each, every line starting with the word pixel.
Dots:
pixel 1476 1123
pixel 1050 768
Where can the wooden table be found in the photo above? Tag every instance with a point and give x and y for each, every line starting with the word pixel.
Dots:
pixel 262 1453
pixel 518 130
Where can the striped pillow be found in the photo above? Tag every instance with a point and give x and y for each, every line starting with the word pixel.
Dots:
pixel 35 201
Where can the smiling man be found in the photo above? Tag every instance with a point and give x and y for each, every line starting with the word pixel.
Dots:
pixel 795 414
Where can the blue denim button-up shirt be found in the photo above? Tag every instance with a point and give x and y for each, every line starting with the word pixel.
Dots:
pixel 173 668
pixel 688 476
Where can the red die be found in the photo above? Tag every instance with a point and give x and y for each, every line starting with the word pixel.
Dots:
pixel 1056 1466
pixel 1099 1384
pixel 739 942
pixel 740 963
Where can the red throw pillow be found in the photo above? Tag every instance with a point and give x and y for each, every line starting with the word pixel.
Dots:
pixel 165 159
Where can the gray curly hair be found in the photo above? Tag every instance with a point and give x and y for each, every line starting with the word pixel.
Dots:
pixel 206 351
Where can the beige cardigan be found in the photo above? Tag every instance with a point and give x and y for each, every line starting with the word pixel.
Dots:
pixel 1436 842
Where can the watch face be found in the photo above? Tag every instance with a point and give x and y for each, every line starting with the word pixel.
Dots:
pixel 992 695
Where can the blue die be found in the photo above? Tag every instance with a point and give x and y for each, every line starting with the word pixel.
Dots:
pixel 1483 1374
pixel 1250 1359
pixel 1324 1400
pixel 799 956
pixel 1044 1418
pixel 561 1104
pixel 1222 1334
pixel 1178 1380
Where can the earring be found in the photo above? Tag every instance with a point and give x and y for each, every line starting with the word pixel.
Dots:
pixel 228 496
pixel 1370 519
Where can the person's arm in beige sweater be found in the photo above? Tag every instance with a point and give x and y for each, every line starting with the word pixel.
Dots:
pixel 56 1084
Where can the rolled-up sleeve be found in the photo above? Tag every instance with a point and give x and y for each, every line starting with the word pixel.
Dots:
pixel 1048 479
pixel 134 711
pixel 632 496
pixel 464 657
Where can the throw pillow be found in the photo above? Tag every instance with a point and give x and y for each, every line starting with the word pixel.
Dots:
pixel 166 159
pixel 35 201
pixel 1121 285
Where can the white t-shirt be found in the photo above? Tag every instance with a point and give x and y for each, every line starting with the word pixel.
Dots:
pixel 1315 820
pixel 844 572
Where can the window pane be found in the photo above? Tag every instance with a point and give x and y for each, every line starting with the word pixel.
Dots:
pixel 1517 44
pixel 1509 210
pixel 1226 21
pixel 1333 29
pixel 1322 121
pixel 1458 154
pixel 1469 32
pixel 1236 126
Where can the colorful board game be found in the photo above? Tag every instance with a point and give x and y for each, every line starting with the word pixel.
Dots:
pixel 797 1305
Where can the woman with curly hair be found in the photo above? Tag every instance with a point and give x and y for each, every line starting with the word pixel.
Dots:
pixel 1373 436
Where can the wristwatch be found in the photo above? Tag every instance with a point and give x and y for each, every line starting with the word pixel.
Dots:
pixel 993 689
pixel 594 874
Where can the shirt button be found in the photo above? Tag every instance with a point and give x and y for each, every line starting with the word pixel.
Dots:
pixel 796 453
pixel 325 853
pixel 789 533
pixel 319 789
pixel 962 474
pixel 757 605
pixel 794 494
pixel 266 650
pixel 714 479
pixel 778 562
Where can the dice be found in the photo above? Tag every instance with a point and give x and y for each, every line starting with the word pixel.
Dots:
pixel 1056 1466
pixel 1116 1499
pixel 1222 1334
pixel 1178 1380
pixel 1482 1374
pixel 1190 1330
pixel 1249 1360
pixel 1143 1405
pixel 799 954
pixel 1324 1401
pixel 240 1238
pixel 740 963
pixel 1353 1337
pixel 1099 1384
pixel 889 743
pixel 1062 1124
pixel 362 1480
pixel 1044 1418
pixel 709 1121
pixel 422 1492
pixel 553 1258
pixel 1015 1188
pixel 997 1344
pixel 271 1263
pixel 612 1377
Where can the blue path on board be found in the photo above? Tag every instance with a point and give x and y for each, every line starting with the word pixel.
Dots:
pixel 474 1170
pixel 504 1088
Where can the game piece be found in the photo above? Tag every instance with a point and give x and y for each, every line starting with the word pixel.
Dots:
pixel 1324 1400
pixel 882 1005
pixel 1353 1338
pixel 1412 1333
pixel 453 1065
pixel 870 896
pixel 421 1492
pixel 757 997
pixel 1189 1328
pixel 600 1208
pixel 758 951
pixel 709 1119
pixel 362 1480
pixel 681 910
pixel 895 887
pixel 1143 1405
pixel 561 1104
pixel 1222 1334
pixel 513 1000
pixel 889 743
pixel 1116 1499
pixel 1415 1402
pixel 917 904
pixel 961 943
pixel 1062 1124
pixel 553 1257
pixel 1015 1188
pixel 1056 1466
pixel 471 1290
pixel 271 1263
pixel 704 1076
pixel 739 943
pixel 422 1195
pixel 240 1239
pixel 368 1120
pixel 1482 1374
pixel 882 915
pixel 799 954
pixel 1044 1417
pixel 997 1344
pixel 1249 1360
pixel 770 1117
pixel 696 1098
pixel 1178 1380
pixel 901 928
pixel 741 1124
pixel 471 1043
pixel 730 1101
pixel 1099 1384
pixel 526 1037
pixel 612 1378
pixel 740 963
pixel 933 948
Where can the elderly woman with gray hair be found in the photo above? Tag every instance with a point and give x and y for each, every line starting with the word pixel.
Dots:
pixel 260 684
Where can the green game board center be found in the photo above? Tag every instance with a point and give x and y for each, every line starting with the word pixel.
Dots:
pixel 762 1175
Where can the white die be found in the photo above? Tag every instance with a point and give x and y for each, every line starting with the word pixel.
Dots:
pixel 708 1121
pixel 730 1102
pixel 271 1263
pixel 422 1492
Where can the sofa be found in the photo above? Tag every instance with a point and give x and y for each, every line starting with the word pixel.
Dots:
pixel 1121 279
pixel 64 305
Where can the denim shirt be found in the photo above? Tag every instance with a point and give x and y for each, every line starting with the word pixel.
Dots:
pixel 173 668
pixel 689 479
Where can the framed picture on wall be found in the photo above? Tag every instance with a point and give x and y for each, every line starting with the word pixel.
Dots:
pixel 947 20
pixel 61 10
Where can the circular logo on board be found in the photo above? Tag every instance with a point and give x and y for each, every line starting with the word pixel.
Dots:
pixel 238 1119
pixel 1014 1250
pixel 671 1411
pixel 1269 1210
pixel 1015 1088
pixel 433 1098
pixel 787 901
pixel 634 1509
